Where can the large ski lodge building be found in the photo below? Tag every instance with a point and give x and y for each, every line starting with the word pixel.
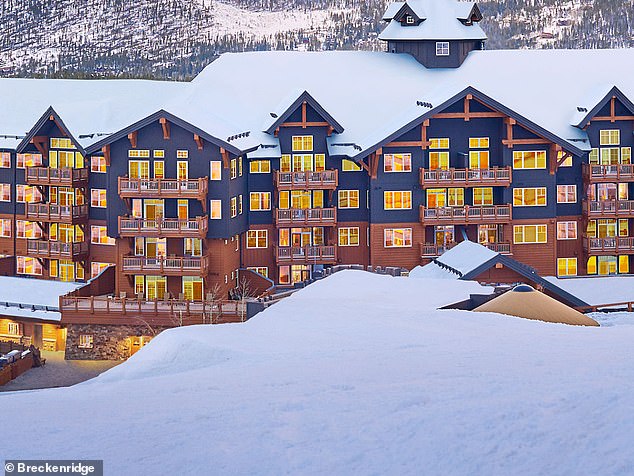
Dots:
pixel 285 163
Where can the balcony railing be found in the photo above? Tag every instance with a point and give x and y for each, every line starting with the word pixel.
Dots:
pixel 46 212
pixel 163 188
pixel 168 312
pixel 608 173
pixel 166 266
pixel 466 214
pixel 56 249
pixel 609 208
pixel 496 176
pixel 306 216
pixel 65 176
pixel 306 254
pixel 433 250
pixel 611 245
pixel 164 227
pixel 323 180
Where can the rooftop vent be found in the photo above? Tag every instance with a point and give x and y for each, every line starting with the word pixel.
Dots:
pixel 523 288
pixel 424 104
pixel 582 109
pixel 273 115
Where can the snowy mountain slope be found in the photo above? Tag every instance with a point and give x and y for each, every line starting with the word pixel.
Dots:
pixel 177 38
pixel 356 374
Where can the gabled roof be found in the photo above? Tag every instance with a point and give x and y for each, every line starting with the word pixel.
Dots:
pixel 290 104
pixel 443 20
pixel 412 118
pixel 467 260
pixel 413 8
pixel 155 117
pixel 46 117
pixel 592 104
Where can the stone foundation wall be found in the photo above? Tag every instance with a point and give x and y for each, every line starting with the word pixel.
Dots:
pixel 109 342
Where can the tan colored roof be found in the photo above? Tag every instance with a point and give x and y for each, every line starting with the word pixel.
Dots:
pixel 525 302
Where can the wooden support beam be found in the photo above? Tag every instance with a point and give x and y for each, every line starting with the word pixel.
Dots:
pixel 613 109
pixel 106 153
pixel 612 118
pixel 552 157
pixel 374 163
pixel 166 127
pixel 132 137
pixel 277 132
pixel 472 115
pixel 511 143
pixel 423 134
pixel 304 115
pixel 225 158
pixel 330 130
pixel 510 122
pixel 41 144
pixel 467 101
pixel 199 141
pixel 304 125
pixel 563 158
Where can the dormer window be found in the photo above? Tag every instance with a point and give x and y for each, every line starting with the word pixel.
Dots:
pixel 409 19
pixel 442 48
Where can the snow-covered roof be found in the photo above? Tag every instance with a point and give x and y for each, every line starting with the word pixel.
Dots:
pixel 441 22
pixel 19 295
pixel 372 95
pixel 597 290
pixel 466 256
pixel 87 107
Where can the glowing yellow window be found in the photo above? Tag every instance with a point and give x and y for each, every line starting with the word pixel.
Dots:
pixel 479 159
pixel 483 196
pixel 624 264
pixel 455 197
pixel 436 198
pixel 439 160
pixel 566 266
pixel 349 166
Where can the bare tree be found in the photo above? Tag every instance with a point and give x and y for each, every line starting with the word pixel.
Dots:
pixel 212 299
pixel 244 291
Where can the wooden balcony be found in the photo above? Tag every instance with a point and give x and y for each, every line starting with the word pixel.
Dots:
pixel 163 227
pixel 306 254
pixel 622 245
pixel 324 180
pixel 63 177
pixel 608 173
pixel 609 209
pixel 432 250
pixel 465 215
pixel 163 312
pixel 46 212
pixel 56 249
pixel 305 217
pixel 164 188
pixel 495 177
pixel 166 266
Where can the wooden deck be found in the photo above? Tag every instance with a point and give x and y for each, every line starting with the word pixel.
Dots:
pixel 306 254
pixel 166 266
pixel 64 177
pixel 623 245
pixel 163 188
pixel 164 227
pixel 465 215
pixel 608 173
pixel 169 312
pixel 56 249
pixel 305 217
pixel 323 180
pixel 46 212
pixel 495 177
pixel 432 250
pixel 609 209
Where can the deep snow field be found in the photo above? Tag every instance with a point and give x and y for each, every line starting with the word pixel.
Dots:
pixel 356 374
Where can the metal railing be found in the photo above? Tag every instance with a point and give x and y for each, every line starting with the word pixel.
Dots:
pixel 612 244
pixel 307 179
pixel 64 175
pixel 616 172
pixel 493 213
pixel 306 216
pixel 52 212
pixel 163 226
pixel 494 176
pixel 163 187
pixel 55 249
pixel 609 207
pixel 308 254
pixel 181 265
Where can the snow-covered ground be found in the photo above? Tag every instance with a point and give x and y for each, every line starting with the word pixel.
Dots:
pixel 356 374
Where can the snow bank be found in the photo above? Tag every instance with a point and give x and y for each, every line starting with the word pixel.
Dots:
pixel 356 374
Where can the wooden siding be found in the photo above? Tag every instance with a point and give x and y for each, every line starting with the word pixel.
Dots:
pixel 405 257
pixel 541 256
